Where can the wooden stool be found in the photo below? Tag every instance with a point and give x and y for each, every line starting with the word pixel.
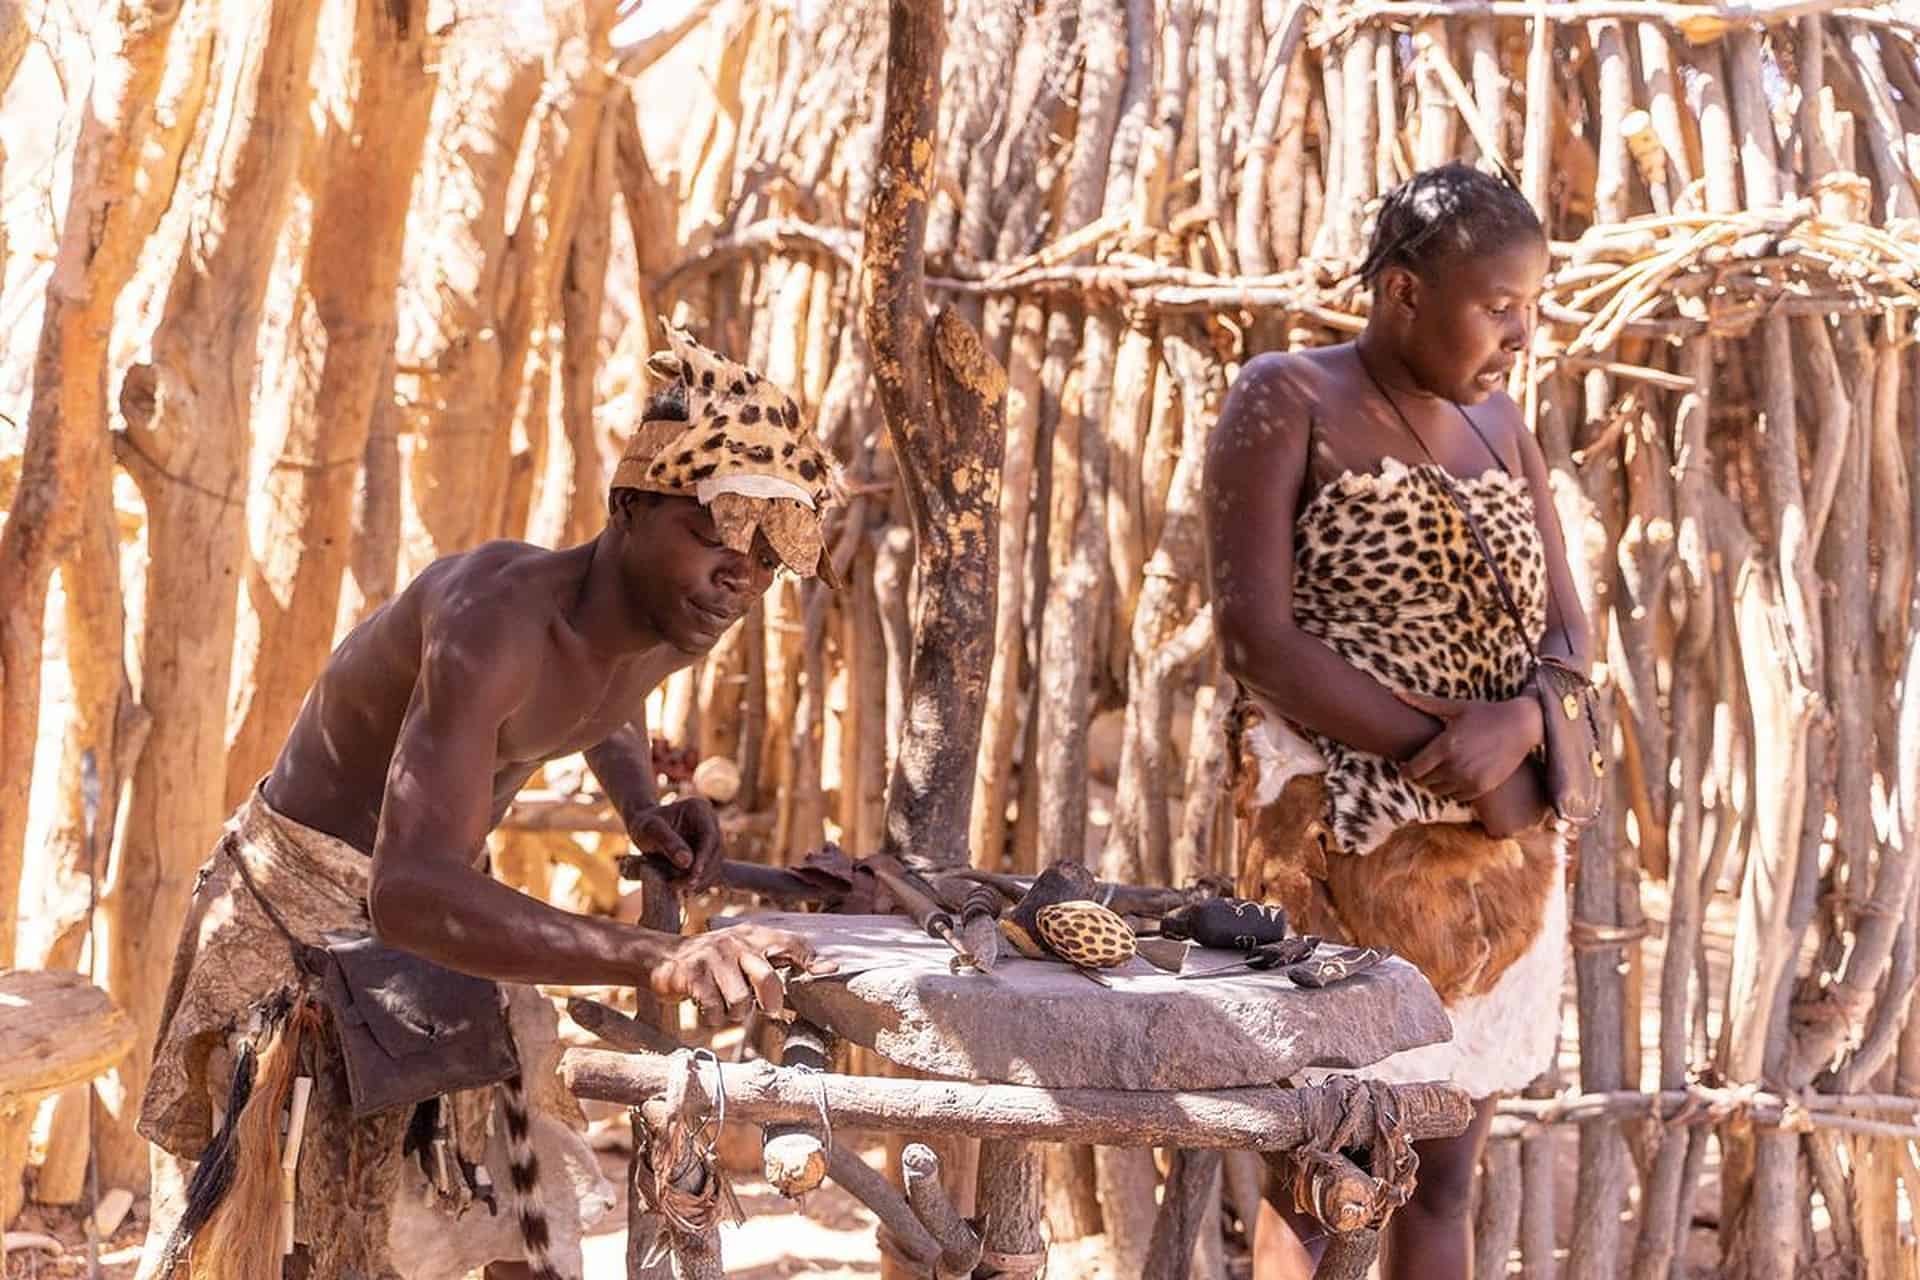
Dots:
pixel 56 1029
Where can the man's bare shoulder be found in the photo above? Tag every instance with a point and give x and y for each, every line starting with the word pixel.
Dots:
pixel 496 601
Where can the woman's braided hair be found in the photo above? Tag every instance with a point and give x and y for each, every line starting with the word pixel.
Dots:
pixel 1445 213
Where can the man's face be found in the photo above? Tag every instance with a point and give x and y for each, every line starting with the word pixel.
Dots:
pixel 1467 321
pixel 684 583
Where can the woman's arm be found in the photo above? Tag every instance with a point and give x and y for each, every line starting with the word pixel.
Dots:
pixel 1256 463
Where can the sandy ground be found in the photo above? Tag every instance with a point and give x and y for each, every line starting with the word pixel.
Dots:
pixel 830 1237
pixel 827 1237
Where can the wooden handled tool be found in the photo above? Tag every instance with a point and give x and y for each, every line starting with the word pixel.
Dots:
pixel 913 896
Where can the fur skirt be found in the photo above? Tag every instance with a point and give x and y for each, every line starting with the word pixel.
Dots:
pixel 1485 919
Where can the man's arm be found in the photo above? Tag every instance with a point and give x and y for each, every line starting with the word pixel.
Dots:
pixel 427 897
pixel 686 833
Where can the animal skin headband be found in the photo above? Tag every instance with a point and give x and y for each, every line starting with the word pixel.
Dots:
pixel 742 453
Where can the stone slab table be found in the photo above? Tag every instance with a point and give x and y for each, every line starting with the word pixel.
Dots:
pixel 1198 1059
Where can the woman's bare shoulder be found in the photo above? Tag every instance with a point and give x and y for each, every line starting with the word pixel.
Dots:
pixel 1274 401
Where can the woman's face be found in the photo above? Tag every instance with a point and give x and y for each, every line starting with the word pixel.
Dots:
pixel 1463 322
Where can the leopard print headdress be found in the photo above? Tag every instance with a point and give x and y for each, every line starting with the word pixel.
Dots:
pixel 742 453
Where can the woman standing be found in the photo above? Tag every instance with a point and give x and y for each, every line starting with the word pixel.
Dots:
pixel 1358 498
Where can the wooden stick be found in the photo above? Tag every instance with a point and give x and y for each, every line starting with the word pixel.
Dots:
pixel 1885 134
pixel 794 1155
pixel 630 1035
pixel 1463 101
pixel 960 1244
pixel 1349 1257
pixel 1701 1104
pixel 1077 524
pixel 290 1157
pixel 1359 133
pixel 1252 245
pixel 1435 122
pixel 1498 1218
pixel 1536 146
pixel 1192 1183
pixel 1892 488
pixel 1835 407
pixel 1263 1118
pixel 1539 1174
pixel 694 1256
pixel 988 837
pixel 1760 170
pixel 1009 1204
pixel 1661 1226
pixel 898 1222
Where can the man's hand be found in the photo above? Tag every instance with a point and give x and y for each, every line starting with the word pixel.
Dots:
pixel 686 834
pixel 1479 746
pixel 727 971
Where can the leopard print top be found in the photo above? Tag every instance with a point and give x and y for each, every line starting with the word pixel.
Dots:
pixel 1387 575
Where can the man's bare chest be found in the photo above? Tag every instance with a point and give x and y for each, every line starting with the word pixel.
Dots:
pixel 573 708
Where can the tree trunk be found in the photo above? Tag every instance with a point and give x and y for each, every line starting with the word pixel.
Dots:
pixel 1078 525
pixel 451 356
pixel 571 493
pixel 341 338
pixel 187 436
pixel 949 461
pixel 124 166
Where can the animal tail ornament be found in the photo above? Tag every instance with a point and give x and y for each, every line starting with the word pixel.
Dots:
pixel 523 1176
pixel 230 1227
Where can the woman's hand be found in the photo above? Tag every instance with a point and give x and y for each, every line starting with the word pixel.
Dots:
pixel 1479 746
pixel 1516 805
pixel 728 971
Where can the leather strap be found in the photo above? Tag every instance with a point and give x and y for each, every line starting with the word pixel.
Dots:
pixel 1445 481
pixel 299 946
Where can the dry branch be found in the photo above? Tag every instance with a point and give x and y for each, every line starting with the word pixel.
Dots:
pixel 1699 23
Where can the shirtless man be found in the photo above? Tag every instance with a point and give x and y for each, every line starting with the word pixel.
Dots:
pixel 433 713
pixel 428 719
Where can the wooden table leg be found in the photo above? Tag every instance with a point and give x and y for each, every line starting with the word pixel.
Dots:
pixel 1348 1256
pixel 659 909
pixel 1193 1180
pixel 1009 1201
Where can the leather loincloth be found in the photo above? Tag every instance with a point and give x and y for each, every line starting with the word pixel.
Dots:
pixel 363 1205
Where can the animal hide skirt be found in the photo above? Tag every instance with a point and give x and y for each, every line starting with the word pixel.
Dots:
pixel 365 1203
pixel 1485 919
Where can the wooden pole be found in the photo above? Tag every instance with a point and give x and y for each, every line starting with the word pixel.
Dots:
pixel 1264 1118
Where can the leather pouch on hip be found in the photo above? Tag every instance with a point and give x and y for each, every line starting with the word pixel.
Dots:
pixel 409 1029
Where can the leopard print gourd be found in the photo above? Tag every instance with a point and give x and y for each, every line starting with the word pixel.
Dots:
pixel 1086 934
pixel 1387 575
